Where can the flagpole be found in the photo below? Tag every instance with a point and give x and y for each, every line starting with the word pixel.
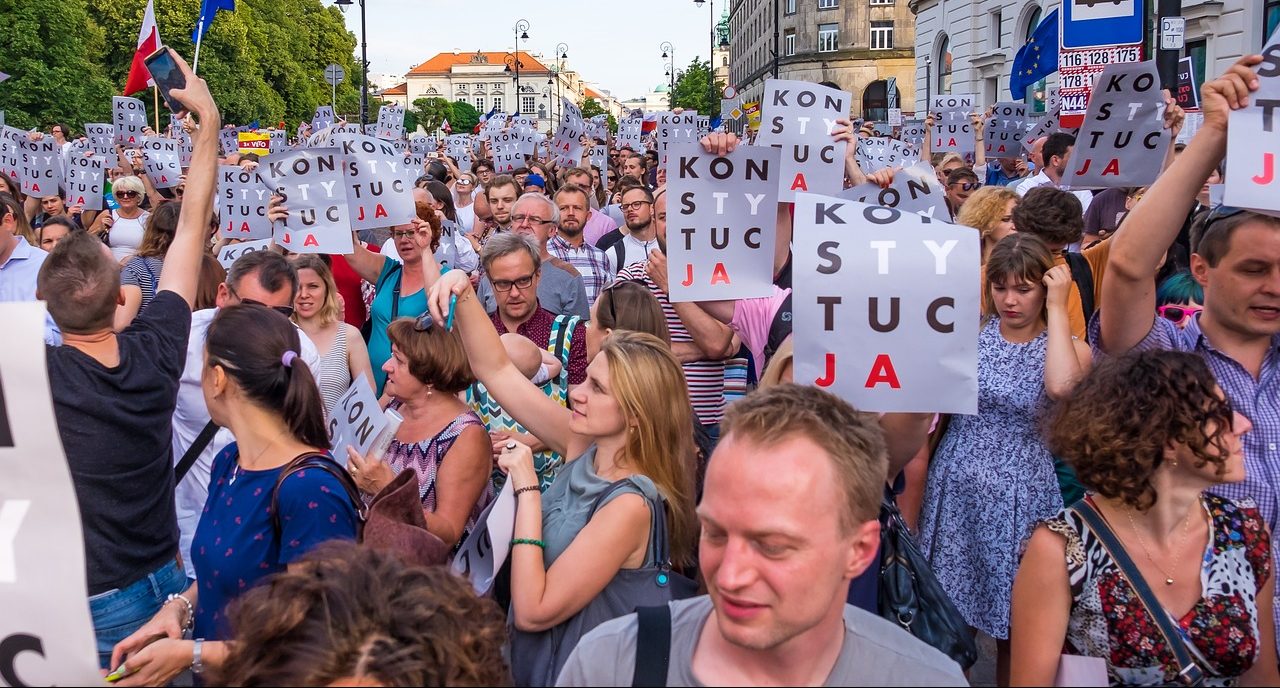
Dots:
pixel 155 96
pixel 195 62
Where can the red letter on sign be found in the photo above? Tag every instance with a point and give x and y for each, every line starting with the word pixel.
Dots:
pixel 881 372
pixel 1268 170
pixel 379 211
pixel 310 241
pixel 1112 167
pixel 688 278
pixel 829 377
pixel 719 274
pixel 799 183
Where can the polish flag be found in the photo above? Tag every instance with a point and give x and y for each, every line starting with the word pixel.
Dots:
pixel 148 42
pixel 446 128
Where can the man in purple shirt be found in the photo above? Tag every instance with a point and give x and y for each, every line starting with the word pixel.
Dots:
pixel 1236 257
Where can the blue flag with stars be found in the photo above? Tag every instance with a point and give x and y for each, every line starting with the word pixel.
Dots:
pixel 1037 59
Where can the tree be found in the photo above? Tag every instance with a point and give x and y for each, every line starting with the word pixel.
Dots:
pixel 694 90
pixel 55 75
pixel 465 116
pixel 592 107
pixel 432 113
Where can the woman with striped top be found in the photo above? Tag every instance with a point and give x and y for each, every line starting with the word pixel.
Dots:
pixel 141 271
pixel 318 312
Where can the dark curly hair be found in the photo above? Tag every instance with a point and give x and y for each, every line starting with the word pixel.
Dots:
pixel 347 611
pixel 1116 425
pixel 1054 215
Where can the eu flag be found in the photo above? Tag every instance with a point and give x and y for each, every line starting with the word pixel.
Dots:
pixel 1037 59
pixel 209 8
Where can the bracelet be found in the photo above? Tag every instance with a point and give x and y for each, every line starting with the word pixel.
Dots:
pixel 191 610
pixel 529 541
pixel 527 488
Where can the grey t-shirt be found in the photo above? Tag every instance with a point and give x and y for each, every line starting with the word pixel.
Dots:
pixel 875 653
pixel 558 291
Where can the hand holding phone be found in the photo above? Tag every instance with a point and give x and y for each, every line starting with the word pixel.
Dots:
pixel 167 75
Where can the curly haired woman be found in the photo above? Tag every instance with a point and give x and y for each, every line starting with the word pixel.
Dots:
pixel 1149 433
pixel 349 615
pixel 990 211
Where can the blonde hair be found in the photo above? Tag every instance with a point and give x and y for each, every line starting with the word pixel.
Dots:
pixel 650 388
pixel 129 183
pixel 331 311
pixel 984 209
pixel 948 158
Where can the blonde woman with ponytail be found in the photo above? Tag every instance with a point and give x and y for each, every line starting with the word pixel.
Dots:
pixel 629 433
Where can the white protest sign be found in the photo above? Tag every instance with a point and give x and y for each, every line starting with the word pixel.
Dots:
pixel 186 147
pixel 85 176
pixel 1050 123
pixel 722 213
pixel 798 118
pixel 1123 141
pixel 485 550
pixel 242 203
pixel 355 420
pixel 41 167
pixel 322 119
pixel 279 141
pixel 376 190
pixel 11 153
pixel 953 127
pixel 390 122
pixel 229 140
pixel 1004 129
pixel 231 252
pixel 895 117
pixel 162 161
pixel 46 632
pixel 913 133
pixel 313 185
pixel 130 116
pixel 878 153
pixel 886 308
pixel 506 146
pixel 914 189
pixel 600 157
pixel 566 146
pixel 102 138
pixel 1251 178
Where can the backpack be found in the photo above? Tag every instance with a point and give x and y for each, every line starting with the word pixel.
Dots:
pixel 1082 275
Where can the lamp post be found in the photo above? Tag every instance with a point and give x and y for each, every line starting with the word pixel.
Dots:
pixel 562 54
pixel 513 65
pixel 928 83
pixel 522 33
pixel 669 54
pixel 711 67
pixel 364 60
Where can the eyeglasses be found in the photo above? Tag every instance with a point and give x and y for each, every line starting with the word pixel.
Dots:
pixel 967 186
pixel 520 283
pixel 127 194
pixel 634 205
pixel 404 233
pixel 533 220
pixel 1177 314
pixel 286 311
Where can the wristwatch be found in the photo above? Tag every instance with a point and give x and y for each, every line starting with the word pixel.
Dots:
pixel 197 661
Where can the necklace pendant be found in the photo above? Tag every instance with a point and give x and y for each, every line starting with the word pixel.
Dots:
pixel 1168 581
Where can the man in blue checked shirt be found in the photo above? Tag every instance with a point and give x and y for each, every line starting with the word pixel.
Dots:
pixel 1236 257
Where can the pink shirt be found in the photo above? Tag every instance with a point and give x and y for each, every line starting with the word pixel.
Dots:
pixel 752 319
pixel 598 225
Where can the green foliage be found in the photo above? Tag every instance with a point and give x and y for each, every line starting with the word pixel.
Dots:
pixel 432 112
pixel 465 117
pixel 592 107
pixel 694 90
pixel 265 61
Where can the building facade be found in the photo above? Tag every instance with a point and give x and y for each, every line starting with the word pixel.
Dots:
pixel 856 44
pixel 968 46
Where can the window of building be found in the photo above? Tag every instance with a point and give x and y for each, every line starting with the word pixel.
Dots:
pixel 1198 52
pixel 789 43
pixel 993 29
pixel 828 37
pixel 881 35
pixel 943 65
pixel 497 103
pixel 527 104
pixel 1270 18
pixel 791 7
pixel 882 2
pixel 480 105
pixel 828 4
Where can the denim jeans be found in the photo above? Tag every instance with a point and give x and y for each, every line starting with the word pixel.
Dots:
pixel 118 613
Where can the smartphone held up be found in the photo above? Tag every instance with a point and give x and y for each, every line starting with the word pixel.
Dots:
pixel 167 76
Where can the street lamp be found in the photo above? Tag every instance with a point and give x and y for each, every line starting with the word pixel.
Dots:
pixel 669 54
pixel 928 82
pixel 364 60
pixel 522 33
pixel 562 54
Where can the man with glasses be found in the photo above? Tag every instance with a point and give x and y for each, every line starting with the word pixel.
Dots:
pixel 261 277
pixel 641 236
pixel 1235 255
pixel 961 184
pixel 483 170
pixel 597 223
pixel 560 288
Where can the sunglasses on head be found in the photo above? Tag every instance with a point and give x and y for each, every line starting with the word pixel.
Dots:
pixel 424 323
pixel 1177 314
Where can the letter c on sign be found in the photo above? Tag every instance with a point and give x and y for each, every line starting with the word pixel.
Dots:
pixel 10 648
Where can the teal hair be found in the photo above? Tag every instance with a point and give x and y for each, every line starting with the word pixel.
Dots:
pixel 1179 288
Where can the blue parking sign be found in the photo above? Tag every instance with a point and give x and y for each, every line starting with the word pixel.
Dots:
pixel 1098 23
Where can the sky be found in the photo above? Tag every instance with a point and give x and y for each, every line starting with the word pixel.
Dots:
pixel 405 33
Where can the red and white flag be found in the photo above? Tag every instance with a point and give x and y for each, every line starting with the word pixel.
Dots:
pixel 148 42
pixel 447 129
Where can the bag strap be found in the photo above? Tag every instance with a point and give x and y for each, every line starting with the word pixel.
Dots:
pixel 658 545
pixel 194 451
pixel 653 646
pixel 560 341
pixel 320 462
pixel 1082 274
pixel 1190 673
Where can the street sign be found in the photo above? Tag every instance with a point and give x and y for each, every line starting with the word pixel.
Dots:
pixel 1173 31
pixel 1100 23
pixel 334 74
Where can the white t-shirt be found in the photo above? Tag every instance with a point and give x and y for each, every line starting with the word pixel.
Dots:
pixel 1042 179
pixel 126 234
pixel 466 218
pixel 189 418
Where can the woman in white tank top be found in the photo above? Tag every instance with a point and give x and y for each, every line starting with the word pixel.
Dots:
pixel 318 313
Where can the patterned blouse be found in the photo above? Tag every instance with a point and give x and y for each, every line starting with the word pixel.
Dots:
pixel 1108 619
pixel 426 457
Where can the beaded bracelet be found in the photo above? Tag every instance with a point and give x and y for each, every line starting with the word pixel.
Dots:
pixel 191 610
pixel 526 488
pixel 528 541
